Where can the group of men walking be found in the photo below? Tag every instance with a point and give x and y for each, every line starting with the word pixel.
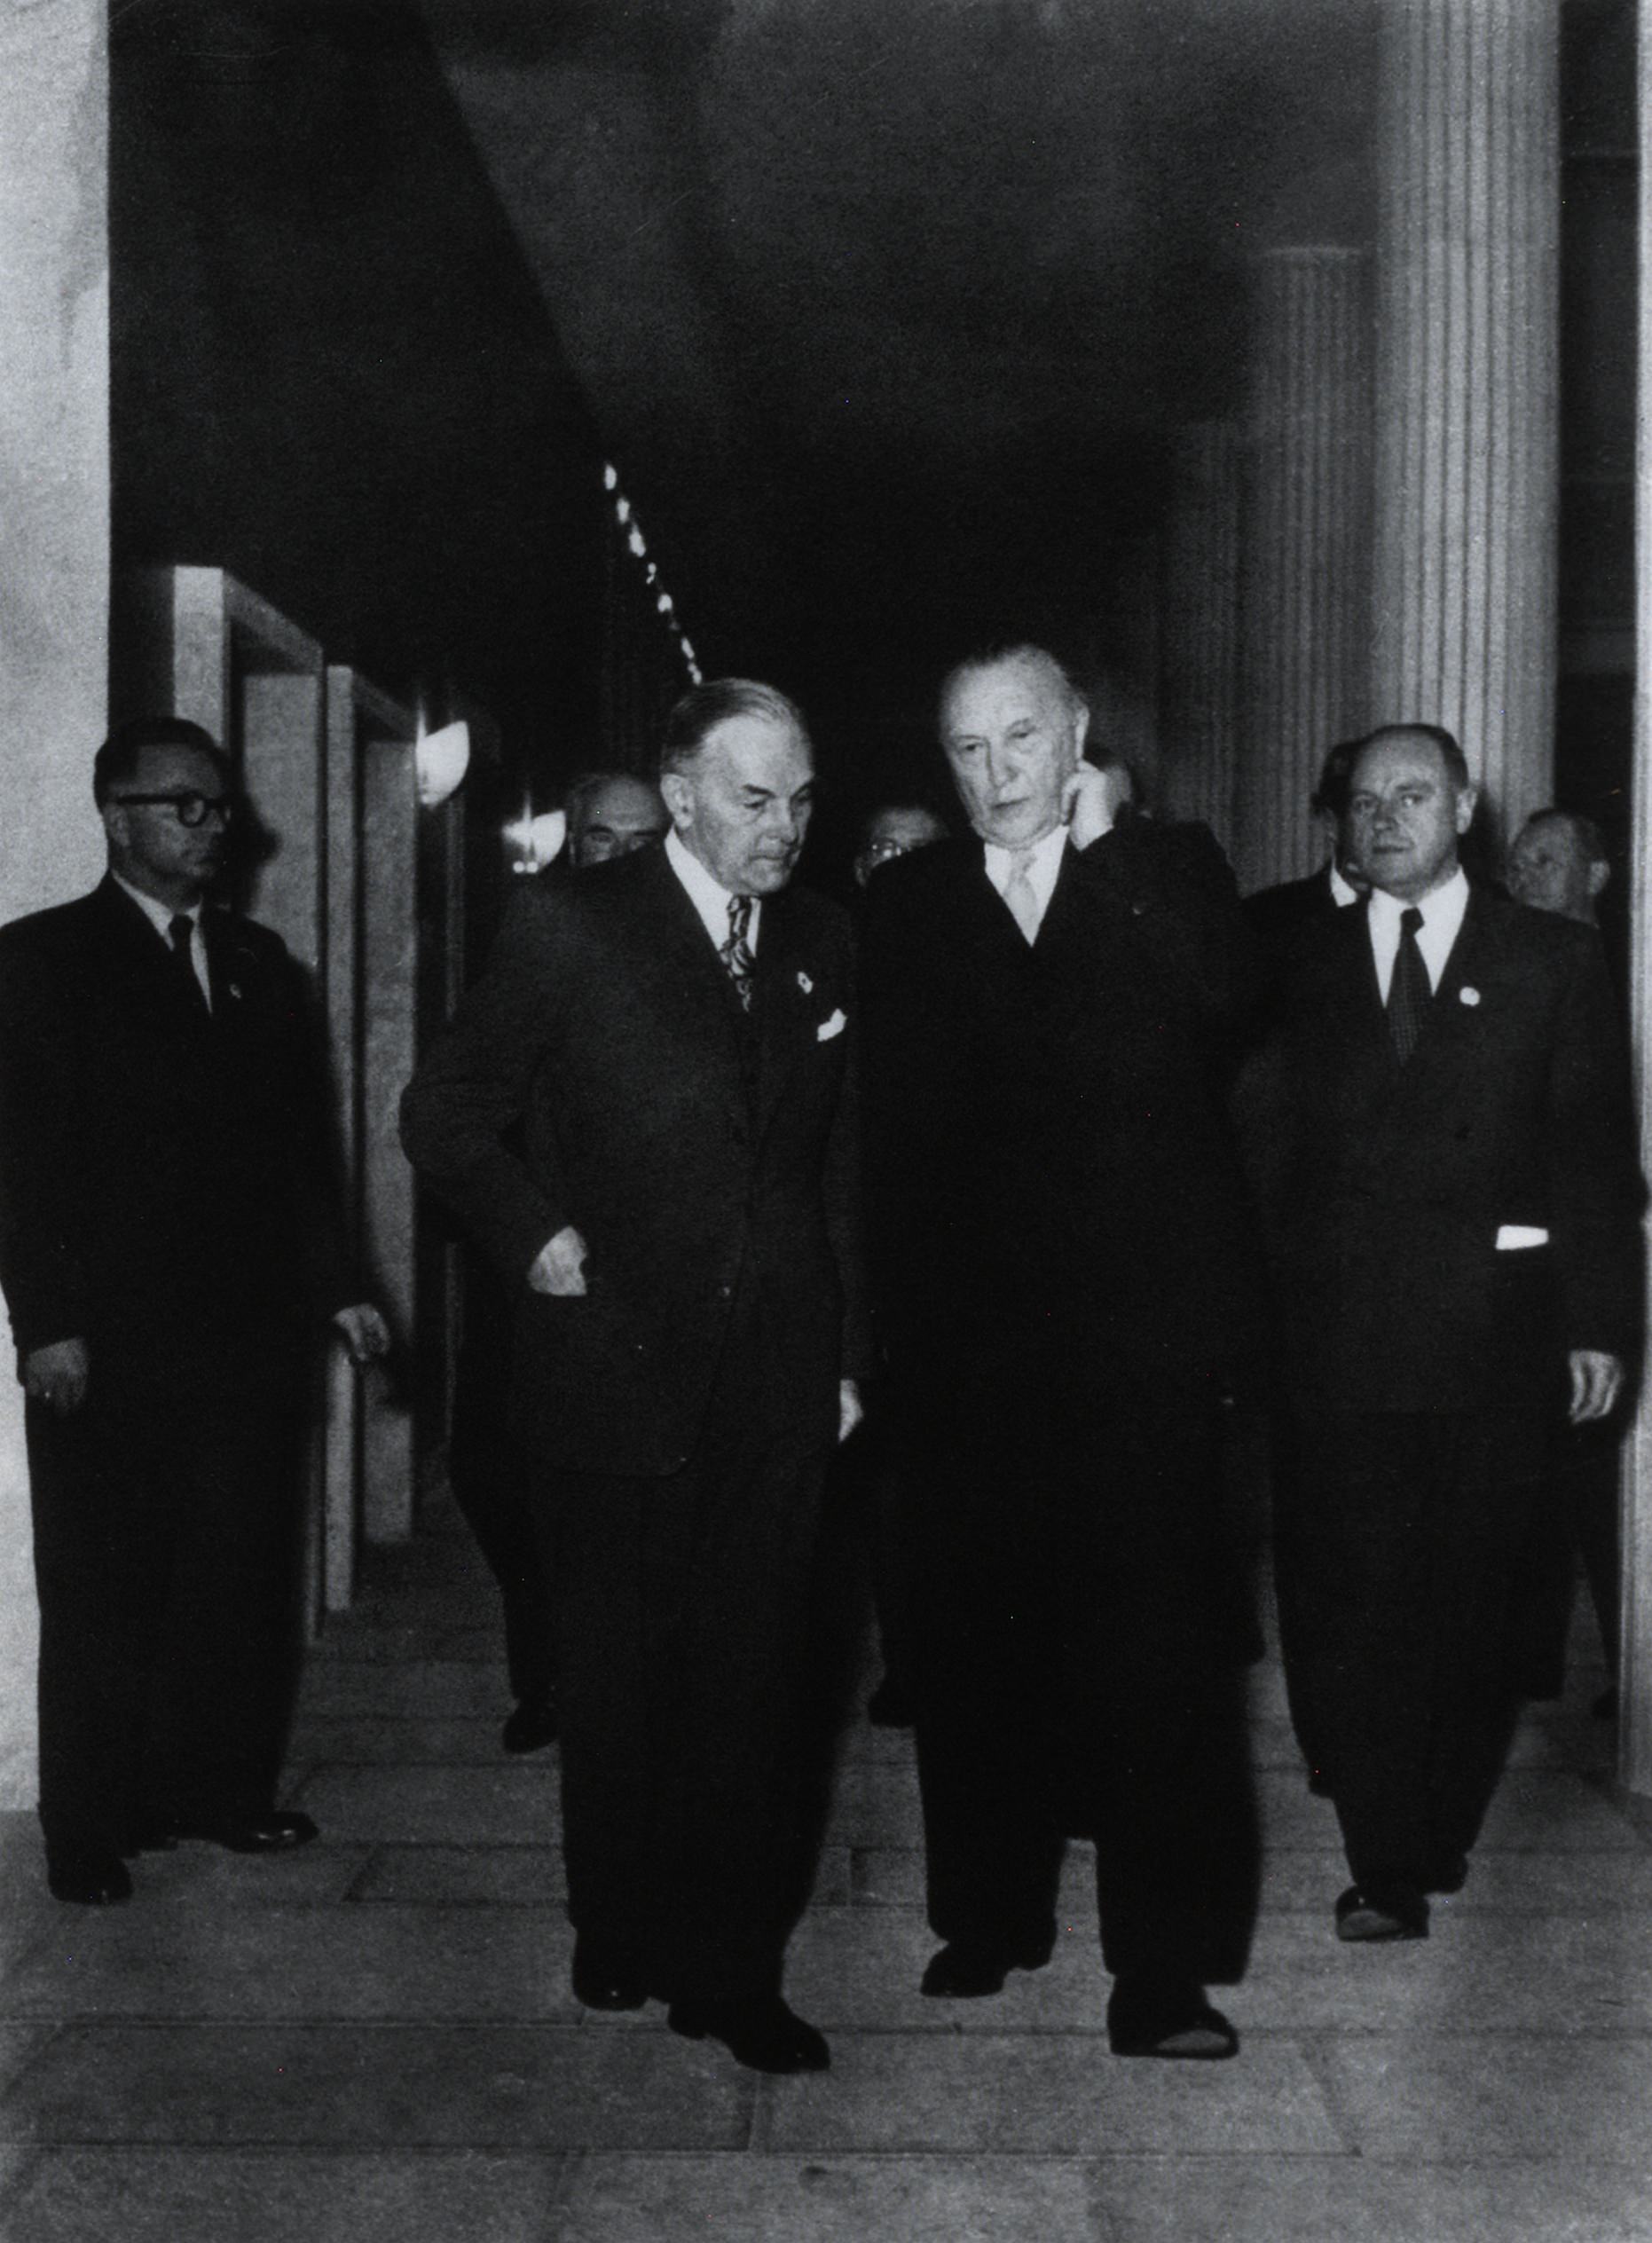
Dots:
pixel 1073 1163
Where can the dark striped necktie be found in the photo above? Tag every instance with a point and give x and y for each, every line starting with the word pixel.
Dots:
pixel 1409 990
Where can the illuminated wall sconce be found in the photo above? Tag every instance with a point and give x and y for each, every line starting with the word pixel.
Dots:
pixel 533 843
pixel 440 762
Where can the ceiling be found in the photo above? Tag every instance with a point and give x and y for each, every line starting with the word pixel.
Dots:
pixel 884 307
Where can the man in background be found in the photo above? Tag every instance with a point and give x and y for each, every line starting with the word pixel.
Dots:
pixel 1558 862
pixel 1276 915
pixel 609 813
pixel 171 1251
pixel 894 831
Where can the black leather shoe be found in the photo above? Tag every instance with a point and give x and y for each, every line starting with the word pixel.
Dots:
pixel 277 1831
pixel 764 2035
pixel 963 1971
pixel 1168 2017
pixel 605 1979
pixel 89 1880
pixel 531 1727
pixel 1382 1912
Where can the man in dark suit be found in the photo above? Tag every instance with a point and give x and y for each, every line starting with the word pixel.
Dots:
pixel 167 1236
pixel 678 1228
pixel 1277 915
pixel 1056 1222
pixel 1439 1129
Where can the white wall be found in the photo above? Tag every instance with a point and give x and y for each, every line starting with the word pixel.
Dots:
pixel 54 567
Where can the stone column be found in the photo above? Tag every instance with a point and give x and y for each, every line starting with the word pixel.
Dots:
pixel 1467 437
pixel 1635 1682
pixel 1307 544
pixel 54 573
pixel 1199 686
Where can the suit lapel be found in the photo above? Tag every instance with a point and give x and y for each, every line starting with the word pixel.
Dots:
pixel 678 960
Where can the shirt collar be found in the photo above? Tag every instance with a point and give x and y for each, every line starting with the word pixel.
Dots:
pixel 1342 892
pixel 1044 861
pixel 159 915
pixel 708 894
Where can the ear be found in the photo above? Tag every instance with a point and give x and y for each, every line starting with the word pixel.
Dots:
pixel 1466 801
pixel 1599 874
pixel 1080 730
pixel 679 798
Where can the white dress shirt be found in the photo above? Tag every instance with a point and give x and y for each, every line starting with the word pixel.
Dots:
pixel 161 916
pixel 1442 920
pixel 708 896
pixel 1042 870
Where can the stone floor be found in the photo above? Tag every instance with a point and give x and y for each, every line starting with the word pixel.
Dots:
pixel 374 2041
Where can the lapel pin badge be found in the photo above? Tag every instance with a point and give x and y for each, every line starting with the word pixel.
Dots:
pixel 805 984
pixel 1467 995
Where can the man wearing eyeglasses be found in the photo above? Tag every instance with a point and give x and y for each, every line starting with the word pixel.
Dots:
pixel 167 1241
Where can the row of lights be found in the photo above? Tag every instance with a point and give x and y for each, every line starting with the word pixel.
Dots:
pixel 625 514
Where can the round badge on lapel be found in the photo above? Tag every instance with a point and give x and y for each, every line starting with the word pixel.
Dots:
pixel 1466 996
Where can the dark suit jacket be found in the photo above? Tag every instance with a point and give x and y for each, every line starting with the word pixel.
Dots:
pixel 1384 1187
pixel 1050 1162
pixel 693 1148
pixel 164 1176
pixel 1276 912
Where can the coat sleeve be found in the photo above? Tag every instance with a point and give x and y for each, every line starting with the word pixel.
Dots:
pixel 1595 1185
pixel 845 1209
pixel 475 1086
pixel 44 1263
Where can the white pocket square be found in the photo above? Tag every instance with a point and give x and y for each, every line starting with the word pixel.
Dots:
pixel 1512 1238
pixel 829 1028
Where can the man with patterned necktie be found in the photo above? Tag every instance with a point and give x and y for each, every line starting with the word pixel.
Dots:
pixel 170 1246
pixel 670 1032
pixel 1059 1241
pixel 1439 1130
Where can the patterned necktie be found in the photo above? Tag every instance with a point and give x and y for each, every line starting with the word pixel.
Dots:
pixel 736 952
pixel 1409 990
pixel 180 929
pixel 1019 894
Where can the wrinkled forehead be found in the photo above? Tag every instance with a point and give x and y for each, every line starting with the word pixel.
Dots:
pixel 173 769
pixel 756 749
pixel 1404 758
pixel 992 693
pixel 623 801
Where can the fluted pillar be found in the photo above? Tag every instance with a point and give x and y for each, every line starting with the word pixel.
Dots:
pixel 1307 547
pixel 1199 696
pixel 1467 441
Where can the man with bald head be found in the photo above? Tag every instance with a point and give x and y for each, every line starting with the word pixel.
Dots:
pixel 1558 862
pixel 1057 1218
pixel 1439 1130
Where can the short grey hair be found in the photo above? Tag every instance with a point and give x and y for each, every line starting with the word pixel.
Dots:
pixel 703 707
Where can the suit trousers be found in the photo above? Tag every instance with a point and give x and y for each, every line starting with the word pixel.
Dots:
pixel 682 1611
pixel 168 1541
pixel 1073 1661
pixel 1397 1543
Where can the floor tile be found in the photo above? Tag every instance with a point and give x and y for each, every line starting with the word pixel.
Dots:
pixel 1572 1882
pixel 508 1805
pixel 501 2087
pixel 1514 2095
pixel 858 1970
pixel 19 2045
pixel 512 1876
pixel 366 1740
pixel 1477 1972
pixel 273 2196
pixel 877 1804
pixel 833 2198
pixel 354 1961
pixel 1363 2200
pixel 1049 2092
pixel 1549 1809
pixel 419 1686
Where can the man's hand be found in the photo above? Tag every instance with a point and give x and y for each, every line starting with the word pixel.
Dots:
pixel 363 1332
pixel 559 1266
pixel 1089 803
pixel 849 1409
pixel 1597 1380
pixel 57 1374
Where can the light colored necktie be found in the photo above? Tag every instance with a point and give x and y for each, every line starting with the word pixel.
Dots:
pixel 1019 894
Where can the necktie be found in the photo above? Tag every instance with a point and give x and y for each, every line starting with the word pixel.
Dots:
pixel 1409 990
pixel 180 929
pixel 735 953
pixel 1019 893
